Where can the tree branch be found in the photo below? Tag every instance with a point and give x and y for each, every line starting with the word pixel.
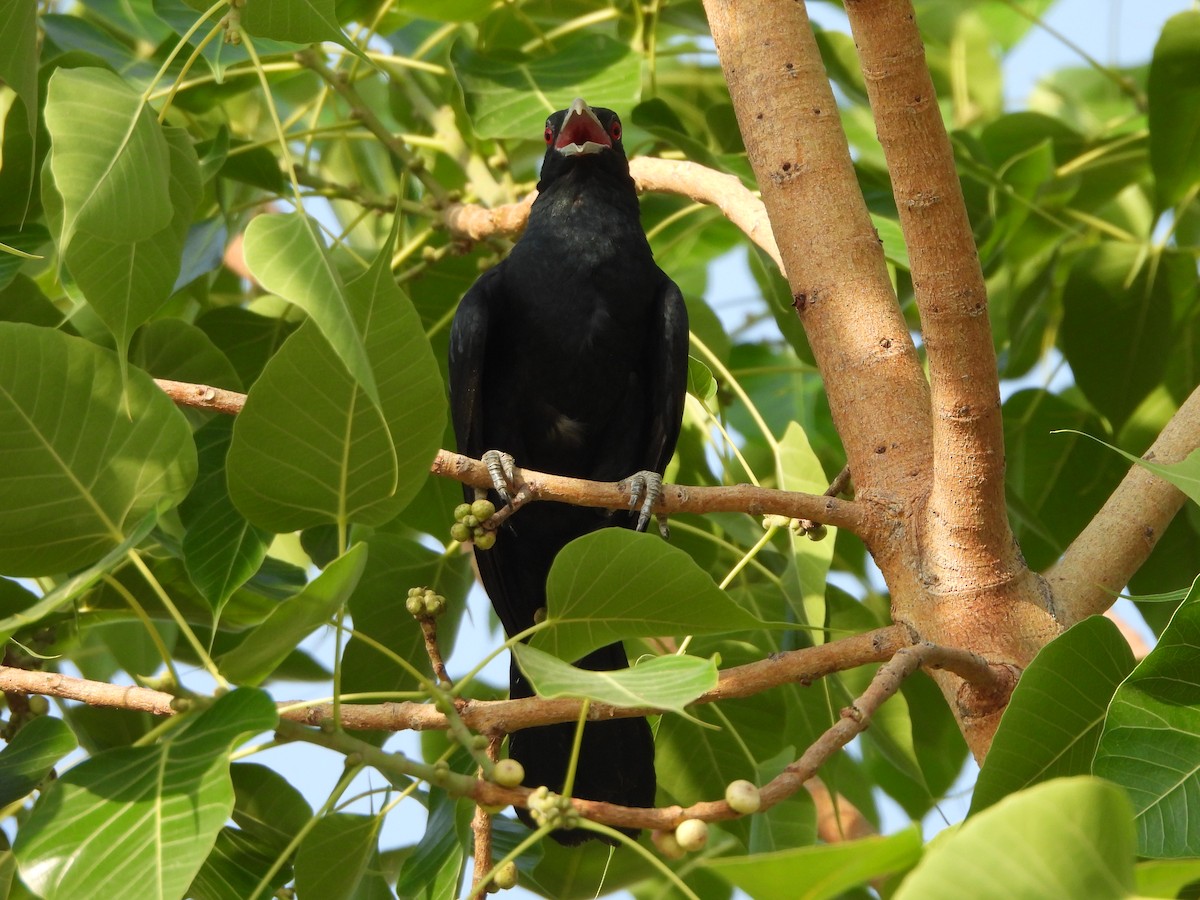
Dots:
pixel 803 665
pixel 675 498
pixel 339 81
pixel 493 716
pixel 688 179
pixel 1100 562
pixel 967 519
pixel 835 265
pixel 852 721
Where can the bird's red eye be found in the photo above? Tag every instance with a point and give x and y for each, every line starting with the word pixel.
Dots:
pixel 614 129
pixel 548 134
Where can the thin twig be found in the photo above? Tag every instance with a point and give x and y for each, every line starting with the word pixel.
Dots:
pixel 852 721
pixel 481 825
pixel 675 498
pixel 493 717
pixel 429 632
pixel 840 481
pixel 361 111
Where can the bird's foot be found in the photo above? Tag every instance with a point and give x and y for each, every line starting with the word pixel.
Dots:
pixel 645 487
pixel 503 470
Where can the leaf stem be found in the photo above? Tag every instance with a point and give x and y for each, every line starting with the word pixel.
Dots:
pixel 350 773
pixel 205 660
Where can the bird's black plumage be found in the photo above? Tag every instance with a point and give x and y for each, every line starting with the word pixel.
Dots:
pixel 571 355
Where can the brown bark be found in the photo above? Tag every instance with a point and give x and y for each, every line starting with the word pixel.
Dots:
pixel 966 514
pixel 928 464
pixel 836 269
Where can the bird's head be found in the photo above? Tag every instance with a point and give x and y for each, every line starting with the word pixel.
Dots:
pixel 586 136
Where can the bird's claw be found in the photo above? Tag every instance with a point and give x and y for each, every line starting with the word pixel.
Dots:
pixel 502 468
pixel 644 490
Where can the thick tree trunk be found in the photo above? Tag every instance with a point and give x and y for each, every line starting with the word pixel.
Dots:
pixel 928 462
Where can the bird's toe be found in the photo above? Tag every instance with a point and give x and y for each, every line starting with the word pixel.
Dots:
pixel 502 468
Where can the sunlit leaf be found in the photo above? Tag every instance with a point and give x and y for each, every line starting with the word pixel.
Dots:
pixel 509 97
pixel 258 655
pixel 1084 820
pixel 1151 739
pixel 1052 723
pixel 138 822
pixel 663 682
pixel 616 584
pixel 109 157
pixel 352 460
pixel 82 461
pixel 819 872
pixel 701 383
pixel 286 255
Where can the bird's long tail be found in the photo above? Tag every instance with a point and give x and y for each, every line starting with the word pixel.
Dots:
pixel 616 757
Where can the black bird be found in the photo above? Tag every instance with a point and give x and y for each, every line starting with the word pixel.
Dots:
pixel 570 357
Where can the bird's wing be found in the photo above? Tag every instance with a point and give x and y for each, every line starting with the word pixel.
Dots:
pixel 514 583
pixel 668 374
pixel 468 351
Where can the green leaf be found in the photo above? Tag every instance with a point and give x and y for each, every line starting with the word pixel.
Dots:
pixel 1071 837
pixel 67 590
pixel 285 253
pixel 663 682
pixel 1174 95
pixel 394 565
pixel 786 825
pixel 26 240
pixel 77 474
pixel 108 156
pixel 434 869
pixel 511 96
pixel 19 54
pixel 126 282
pixel 348 839
pixel 1165 878
pixel 448 10
pixel 235 867
pixel 798 469
pixel 1053 721
pixel 296 21
pixel 221 549
pixel 157 808
pixel 348 463
pixel 701 383
pixel 261 652
pixel 823 871
pixel 1054 483
pixel 1151 739
pixel 31 754
pixel 267 806
pixel 1117 325
pixel 616 584
pixel 892 238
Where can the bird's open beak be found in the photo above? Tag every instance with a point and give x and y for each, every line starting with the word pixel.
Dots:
pixel 581 131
